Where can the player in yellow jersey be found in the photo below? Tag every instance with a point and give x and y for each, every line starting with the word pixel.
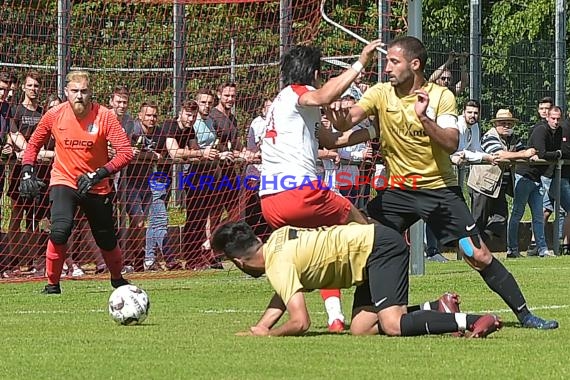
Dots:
pixel 373 257
pixel 418 133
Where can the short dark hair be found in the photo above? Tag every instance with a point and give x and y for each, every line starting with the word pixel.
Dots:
pixel 205 91
pixel 149 104
pixel 120 90
pixel 226 84
pixel 5 77
pixel 299 64
pixel 472 103
pixel 13 77
pixel 555 108
pixel 234 239
pixel 546 99
pixel 33 75
pixel 52 98
pixel 189 106
pixel 412 48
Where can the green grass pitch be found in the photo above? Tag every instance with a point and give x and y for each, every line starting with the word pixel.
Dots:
pixel 189 333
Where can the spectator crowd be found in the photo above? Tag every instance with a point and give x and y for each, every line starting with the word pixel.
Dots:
pixel 213 151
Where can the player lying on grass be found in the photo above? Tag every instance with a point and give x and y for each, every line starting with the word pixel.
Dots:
pixel 370 256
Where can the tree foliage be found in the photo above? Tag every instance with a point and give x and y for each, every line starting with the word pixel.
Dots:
pixel 131 42
pixel 517 49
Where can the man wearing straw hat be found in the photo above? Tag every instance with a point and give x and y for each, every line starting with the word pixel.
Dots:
pixel 491 183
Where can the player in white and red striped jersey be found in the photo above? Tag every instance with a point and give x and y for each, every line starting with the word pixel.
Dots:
pixel 291 193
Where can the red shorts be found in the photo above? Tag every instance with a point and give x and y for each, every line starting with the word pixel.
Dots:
pixel 307 207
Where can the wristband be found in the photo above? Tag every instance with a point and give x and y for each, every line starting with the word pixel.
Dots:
pixel 371 131
pixel 357 66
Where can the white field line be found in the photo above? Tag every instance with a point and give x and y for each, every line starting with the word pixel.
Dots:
pixel 551 307
pixel 24 312
pixel 237 311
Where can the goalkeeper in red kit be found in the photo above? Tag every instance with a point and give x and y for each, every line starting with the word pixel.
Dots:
pixel 79 176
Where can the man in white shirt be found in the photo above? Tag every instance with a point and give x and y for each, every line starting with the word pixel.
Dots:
pixel 352 157
pixel 469 149
pixel 255 135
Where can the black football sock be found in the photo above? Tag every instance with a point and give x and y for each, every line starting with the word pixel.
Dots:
pixel 433 305
pixel 471 319
pixel 424 322
pixel 502 282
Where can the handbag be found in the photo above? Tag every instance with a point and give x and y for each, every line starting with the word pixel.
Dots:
pixel 486 179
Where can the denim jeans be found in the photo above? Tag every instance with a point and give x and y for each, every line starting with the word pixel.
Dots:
pixel 564 200
pixel 157 230
pixel 532 192
pixel 565 194
pixel 546 200
pixel 431 241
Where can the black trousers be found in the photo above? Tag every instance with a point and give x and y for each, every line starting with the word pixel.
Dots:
pixel 98 210
pixel 490 214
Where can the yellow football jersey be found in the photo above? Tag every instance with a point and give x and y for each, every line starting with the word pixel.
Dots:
pixel 305 259
pixel 406 148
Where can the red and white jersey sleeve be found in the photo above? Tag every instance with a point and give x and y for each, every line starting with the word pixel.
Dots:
pixel 290 147
pixel 81 145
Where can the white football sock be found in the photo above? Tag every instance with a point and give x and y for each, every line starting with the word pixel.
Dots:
pixel 333 308
pixel 426 306
pixel 461 319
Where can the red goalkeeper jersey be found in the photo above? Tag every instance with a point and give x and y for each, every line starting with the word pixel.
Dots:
pixel 80 145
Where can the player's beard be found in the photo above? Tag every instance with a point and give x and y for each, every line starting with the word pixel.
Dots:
pixel 255 273
pixel 80 108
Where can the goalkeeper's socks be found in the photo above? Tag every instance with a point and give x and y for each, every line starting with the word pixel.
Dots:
pixel 55 258
pixel 114 261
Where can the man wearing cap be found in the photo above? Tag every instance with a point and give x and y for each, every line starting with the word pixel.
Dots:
pixel 532 182
pixel 489 183
pixel 351 157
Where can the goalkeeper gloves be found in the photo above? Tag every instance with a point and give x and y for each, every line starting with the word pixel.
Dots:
pixel 86 181
pixel 30 185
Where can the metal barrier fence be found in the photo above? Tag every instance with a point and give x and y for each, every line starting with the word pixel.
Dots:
pixel 417 262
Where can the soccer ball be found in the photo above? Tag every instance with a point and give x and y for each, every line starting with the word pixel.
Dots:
pixel 129 305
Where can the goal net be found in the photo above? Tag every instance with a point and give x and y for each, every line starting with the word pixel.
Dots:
pixel 159 56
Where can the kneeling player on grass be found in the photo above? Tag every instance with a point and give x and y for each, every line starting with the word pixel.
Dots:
pixel 371 256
